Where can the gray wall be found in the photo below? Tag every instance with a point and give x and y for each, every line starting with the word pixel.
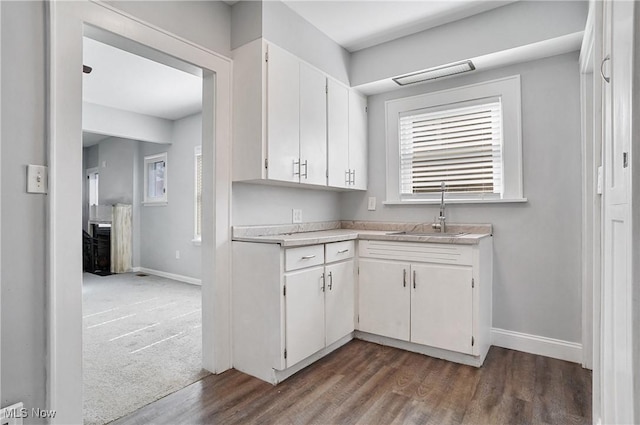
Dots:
pixel 170 228
pixel 23 238
pixel 23 215
pixel 116 159
pixel 537 274
pixel 262 204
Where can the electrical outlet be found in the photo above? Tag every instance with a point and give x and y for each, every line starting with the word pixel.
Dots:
pixel 372 203
pixel 177 254
pixel 296 215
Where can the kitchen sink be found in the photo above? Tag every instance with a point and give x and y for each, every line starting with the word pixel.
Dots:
pixel 433 234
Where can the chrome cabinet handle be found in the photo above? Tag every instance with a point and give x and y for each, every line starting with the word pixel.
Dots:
pixel 414 279
pixel 296 163
pixel 308 257
pixel 404 278
pixel 342 251
pixel 330 281
pixel 323 282
pixel 607 58
pixel 353 181
pixel 347 177
pixel 305 165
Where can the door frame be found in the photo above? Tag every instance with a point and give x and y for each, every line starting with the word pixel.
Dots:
pixel 67 23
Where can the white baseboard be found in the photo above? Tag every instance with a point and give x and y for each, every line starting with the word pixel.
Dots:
pixel 178 277
pixel 534 344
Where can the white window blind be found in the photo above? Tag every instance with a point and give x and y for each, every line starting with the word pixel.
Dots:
pixel 458 145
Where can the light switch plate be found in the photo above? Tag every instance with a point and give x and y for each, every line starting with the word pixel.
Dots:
pixel 296 215
pixel 599 181
pixel 372 203
pixel 37 180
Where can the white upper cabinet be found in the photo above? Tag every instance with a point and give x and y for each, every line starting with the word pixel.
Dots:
pixel 347 137
pixel 294 124
pixel 283 115
pixel 358 140
pixel 338 133
pixel 313 126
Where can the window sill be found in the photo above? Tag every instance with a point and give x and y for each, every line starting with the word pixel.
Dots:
pixel 197 241
pixel 155 204
pixel 456 201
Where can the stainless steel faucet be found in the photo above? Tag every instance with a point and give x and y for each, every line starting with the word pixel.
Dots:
pixel 440 223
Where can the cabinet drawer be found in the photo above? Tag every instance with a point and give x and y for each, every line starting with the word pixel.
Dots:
pixel 305 256
pixel 420 252
pixel 337 251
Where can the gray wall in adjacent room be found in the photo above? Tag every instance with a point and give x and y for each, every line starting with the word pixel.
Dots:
pixel 537 273
pixel 89 160
pixel 23 237
pixel 170 228
pixel 115 170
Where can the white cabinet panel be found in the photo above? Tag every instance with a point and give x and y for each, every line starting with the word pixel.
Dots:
pixel 384 298
pixel 358 139
pixel 283 115
pixel 313 126
pixel 339 300
pixel 338 133
pixel 304 307
pixel 442 306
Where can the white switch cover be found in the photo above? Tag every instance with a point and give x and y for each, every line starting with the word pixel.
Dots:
pixel 177 255
pixel 37 179
pixel 296 216
pixel 372 203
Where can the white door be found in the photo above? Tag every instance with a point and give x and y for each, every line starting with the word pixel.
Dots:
pixel 358 139
pixel 617 295
pixel 338 133
pixel 339 301
pixel 313 126
pixel 384 298
pixel 283 115
pixel 442 306
pixel 304 313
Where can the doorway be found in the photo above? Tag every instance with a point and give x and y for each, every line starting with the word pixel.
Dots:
pixel 69 22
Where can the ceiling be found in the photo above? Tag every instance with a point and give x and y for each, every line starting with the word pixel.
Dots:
pixel 356 25
pixel 129 82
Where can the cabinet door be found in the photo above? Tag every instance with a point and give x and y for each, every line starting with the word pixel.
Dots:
pixel 304 313
pixel 283 115
pixel 442 306
pixel 384 298
pixel 313 126
pixel 358 139
pixel 339 301
pixel 338 133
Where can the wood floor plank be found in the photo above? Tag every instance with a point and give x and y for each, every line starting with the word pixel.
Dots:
pixel 365 383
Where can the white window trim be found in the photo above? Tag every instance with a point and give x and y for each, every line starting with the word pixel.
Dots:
pixel 508 89
pixel 164 200
pixel 197 239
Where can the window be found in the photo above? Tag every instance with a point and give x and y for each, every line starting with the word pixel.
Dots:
pixel 467 137
pixel 198 194
pixel 459 145
pixel 155 179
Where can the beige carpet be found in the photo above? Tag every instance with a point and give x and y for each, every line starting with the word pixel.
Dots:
pixel 141 341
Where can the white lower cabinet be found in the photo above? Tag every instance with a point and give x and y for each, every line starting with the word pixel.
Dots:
pixel 290 306
pixel 440 299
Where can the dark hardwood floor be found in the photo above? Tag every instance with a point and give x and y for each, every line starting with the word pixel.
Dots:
pixel 365 383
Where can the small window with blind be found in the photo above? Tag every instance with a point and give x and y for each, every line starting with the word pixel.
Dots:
pixel 198 194
pixel 155 179
pixel 460 145
pixel 467 137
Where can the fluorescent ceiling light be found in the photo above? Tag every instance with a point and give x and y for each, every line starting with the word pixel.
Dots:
pixel 433 73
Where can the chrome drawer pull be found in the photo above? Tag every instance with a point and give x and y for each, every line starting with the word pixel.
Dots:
pixel 307 257
pixel 342 251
